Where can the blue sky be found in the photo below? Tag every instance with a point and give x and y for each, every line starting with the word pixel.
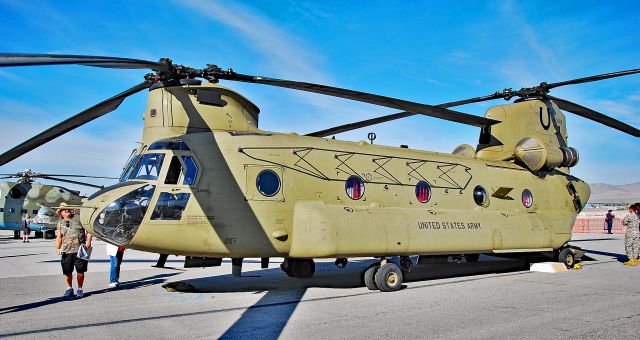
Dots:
pixel 425 51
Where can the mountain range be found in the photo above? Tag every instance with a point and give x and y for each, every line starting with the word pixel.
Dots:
pixel 607 193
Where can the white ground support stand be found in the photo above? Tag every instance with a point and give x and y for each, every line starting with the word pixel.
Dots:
pixel 549 267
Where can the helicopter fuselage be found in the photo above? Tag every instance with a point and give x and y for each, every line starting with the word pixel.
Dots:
pixel 209 188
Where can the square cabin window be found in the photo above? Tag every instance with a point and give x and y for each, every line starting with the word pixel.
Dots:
pixel 191 172
pixel 170 206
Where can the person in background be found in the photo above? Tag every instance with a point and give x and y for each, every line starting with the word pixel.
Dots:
pixel 609 219
pixel 70 236
pixel 115 257
pixel 632 235
pixel 26 230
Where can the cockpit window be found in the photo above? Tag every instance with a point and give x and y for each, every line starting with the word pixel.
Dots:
pixel 148 167
pixel 191 171
pixel 170 206
pixel 173 174
pixel 169 144
pixel 128 168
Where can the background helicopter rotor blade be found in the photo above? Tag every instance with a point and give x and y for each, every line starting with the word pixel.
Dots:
pixel 593 78
pixel 595 116
pixel 373 121
pixel 424 109
pixel 79 176
pixel 25 59
pixel 72 182
pixel 67 125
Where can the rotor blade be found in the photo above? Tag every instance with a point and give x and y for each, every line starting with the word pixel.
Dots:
pixel 78 120
pixel 73 182
pixel 593 78
pixel 83 176
pixel 394 116
pixel 427 110
pixel 595 116
pixel 25 59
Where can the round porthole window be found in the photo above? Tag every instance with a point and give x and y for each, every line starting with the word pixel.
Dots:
pixel 527 198
pixel 268 183
pixel 480 196
pixel 354 187
pixel 423 192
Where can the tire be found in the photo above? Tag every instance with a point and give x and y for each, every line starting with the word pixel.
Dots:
pixel 286 267
pixel 472 257
pixel 16 234
pixel 389 278
pixel 370 276
pixel 302 268
pixel 38 234
pixel 566 256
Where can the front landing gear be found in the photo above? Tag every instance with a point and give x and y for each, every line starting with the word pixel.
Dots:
pixel 299 268
pixel 570 255
pixel 386 277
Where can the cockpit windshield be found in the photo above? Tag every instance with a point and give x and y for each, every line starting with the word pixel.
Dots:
pixel 126 172
pixel 147 167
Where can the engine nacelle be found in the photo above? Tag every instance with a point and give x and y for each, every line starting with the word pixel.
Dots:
pixel 537 155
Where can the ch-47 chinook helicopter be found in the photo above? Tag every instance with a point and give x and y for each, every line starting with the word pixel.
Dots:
pixel 25 196
pixel 207 182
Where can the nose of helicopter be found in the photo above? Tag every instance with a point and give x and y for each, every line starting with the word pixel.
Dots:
pixel 115 213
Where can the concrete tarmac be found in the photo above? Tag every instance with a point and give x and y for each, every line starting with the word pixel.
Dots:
pixel 491 299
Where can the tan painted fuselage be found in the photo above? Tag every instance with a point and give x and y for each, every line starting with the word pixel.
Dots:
pixel 311 214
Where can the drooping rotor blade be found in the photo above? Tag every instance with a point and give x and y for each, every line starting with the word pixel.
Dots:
pixel 595 116
pixel 73 182
pixel 427 110
pixel 394 116
pixel 593 78
pixel 24 59
pixel 79 176
pixel 78 120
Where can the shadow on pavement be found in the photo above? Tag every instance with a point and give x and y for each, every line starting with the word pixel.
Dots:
pixel 328 276
pixel 266 318
pixel 594 239
pixel 619 257
pixel 148 281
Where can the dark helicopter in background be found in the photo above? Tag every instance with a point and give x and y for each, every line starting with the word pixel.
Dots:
pixel 26 197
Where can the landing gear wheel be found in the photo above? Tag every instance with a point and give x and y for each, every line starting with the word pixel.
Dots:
pixel 389 278
pixel 299 268
pixel 370 276
pixel 303 268
pixel 566 256
pixel 16 234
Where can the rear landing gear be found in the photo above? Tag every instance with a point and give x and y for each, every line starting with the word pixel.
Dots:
pixel 370 276
pixel 389 278
pixel 298 268
pixel 567 257
pixel 386 277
